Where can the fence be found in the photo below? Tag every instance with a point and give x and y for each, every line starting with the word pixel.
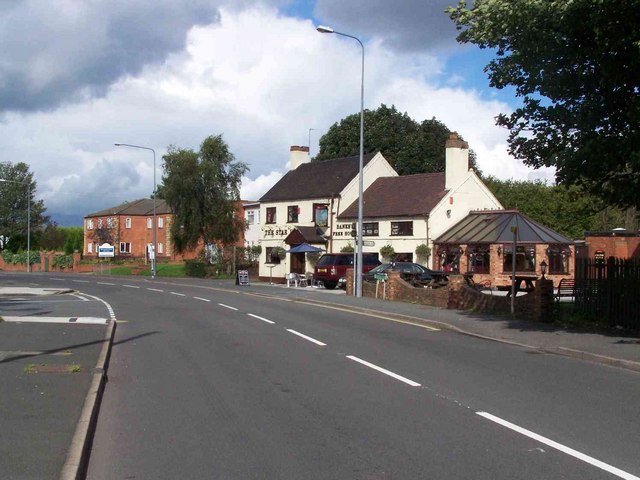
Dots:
pixel 609 290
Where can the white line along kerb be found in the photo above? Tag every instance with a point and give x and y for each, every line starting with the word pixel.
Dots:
pixel 384 370
pixel 569 451
pixel 112 315
pixel 313 340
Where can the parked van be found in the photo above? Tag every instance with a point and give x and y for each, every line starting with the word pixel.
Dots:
pixel 332 267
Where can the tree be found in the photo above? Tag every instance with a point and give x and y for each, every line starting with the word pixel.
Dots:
pixel 203 189
pixel 17 204
pixel 575 66
pixel 409 146
pixel 52 238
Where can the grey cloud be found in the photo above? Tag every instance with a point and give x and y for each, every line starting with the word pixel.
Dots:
pixel 56 52
pixel 404 25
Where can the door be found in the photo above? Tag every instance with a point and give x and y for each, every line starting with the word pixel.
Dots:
pixel 297 263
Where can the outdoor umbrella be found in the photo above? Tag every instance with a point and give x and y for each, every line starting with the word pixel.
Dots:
pixel 305 248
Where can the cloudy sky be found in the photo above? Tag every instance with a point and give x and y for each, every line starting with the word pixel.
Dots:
pixel 77 77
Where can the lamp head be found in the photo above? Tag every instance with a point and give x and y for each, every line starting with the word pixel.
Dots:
pixel 323 29
pixel 118 144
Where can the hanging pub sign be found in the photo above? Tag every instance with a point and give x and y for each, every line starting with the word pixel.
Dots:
pixel 599 256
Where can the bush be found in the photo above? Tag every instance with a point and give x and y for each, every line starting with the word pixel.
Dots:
pixel 387 252
pixel 195 268
pixel 347 249
pixel 63 261
pixel 423 252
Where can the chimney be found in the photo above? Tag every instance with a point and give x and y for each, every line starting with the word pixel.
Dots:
pixel 457 161
pixel 298 156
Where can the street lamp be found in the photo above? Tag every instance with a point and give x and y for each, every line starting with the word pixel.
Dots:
pixel 358 289
pixel 28 184
pixel 155 225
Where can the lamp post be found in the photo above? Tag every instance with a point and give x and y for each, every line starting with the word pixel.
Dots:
pixel 358 277
pixel 28 184
pixel 155 225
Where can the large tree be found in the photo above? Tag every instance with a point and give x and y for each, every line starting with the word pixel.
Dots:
pixel 203 189
pixel 17 204
pixel 409 146
pixel 576 67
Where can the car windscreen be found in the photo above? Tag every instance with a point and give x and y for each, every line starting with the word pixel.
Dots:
pixel 326 260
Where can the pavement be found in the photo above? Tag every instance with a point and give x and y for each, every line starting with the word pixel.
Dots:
pixel 53 375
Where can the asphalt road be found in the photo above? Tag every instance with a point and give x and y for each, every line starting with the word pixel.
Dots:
pixel 207 383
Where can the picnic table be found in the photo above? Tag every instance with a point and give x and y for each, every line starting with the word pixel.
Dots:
pixel 523 279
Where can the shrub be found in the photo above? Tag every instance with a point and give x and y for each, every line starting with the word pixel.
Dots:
pixel 348 248
pixel 195 268
pixel 423 252
pixel 387 252
pixel 63 261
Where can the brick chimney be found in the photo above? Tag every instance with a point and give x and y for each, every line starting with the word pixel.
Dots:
pixel 298 156
pixel 457 161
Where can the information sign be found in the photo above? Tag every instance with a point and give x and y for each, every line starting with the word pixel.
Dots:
pixel 106 250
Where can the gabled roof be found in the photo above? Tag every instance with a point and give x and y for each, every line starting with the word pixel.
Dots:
pixel 304 235
pixel 316 179
pixel 404 196
pixel 494 226
pixel 143 206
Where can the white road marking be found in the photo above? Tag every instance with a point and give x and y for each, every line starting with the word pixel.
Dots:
pixel 260 318
pixel 80 281
pixel 80 297
pixel 130 286
pixel 569 451
pixel 227 306
pixel 155 289
pixel 203 299
pixel 385 371
pixel 178 294
pixel 105 283
pixel 112 314
pixel 59 279
pixel 84 320
pixel 313 340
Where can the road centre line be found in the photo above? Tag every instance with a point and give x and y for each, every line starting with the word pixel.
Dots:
pixel 227 306
pixel 131 286
pixel 564 449
pixel 203 299
pixel 178 294
pixel 385 371
pixel 155 289
pixel 260 318
pixel 105 283
pixel 59 279
pixel 80 281
pixel 313 340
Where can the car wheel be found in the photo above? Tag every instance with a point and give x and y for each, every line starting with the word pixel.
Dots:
pixel 330 285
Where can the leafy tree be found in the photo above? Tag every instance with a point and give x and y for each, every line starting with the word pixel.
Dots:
pixel 52 238
pixel 575 66
pixel 409 146
pixel 203 188
pixel 74 239
pixel 17 197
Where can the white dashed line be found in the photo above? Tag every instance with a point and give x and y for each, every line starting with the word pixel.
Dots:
pixel 260 318
pixel 105 283
pixel 313 340
pixel 203 299
pixel 155 289
pixel 385 371
pixel 58 279
pixel 80 281
pixel 131 286
pixel 569 451
pixel 178 294
pixel 227 306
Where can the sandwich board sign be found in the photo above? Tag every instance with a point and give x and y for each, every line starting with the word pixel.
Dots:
pixel 106 251
pixel 242 277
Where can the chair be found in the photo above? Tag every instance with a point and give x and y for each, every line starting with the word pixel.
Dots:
pixel 292 278
pixel 302 281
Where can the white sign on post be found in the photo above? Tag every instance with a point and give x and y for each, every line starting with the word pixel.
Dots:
pixel 152 252
pixel 106 251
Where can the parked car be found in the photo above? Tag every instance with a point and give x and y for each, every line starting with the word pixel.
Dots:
pixel 413 272
pixel 332 267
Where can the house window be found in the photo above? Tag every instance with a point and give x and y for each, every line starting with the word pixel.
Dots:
pixel 292 214
pixel 127 222
pixel 402 229
pixel 558 259
pixel 149 222
pixel 251 217
pixel 160 222
pixel 125 247
pixel 478 258
pixel 525 258
pixel 99 223
pixel 89 247
pixel 271 215
pixel 370 229
pixel 160 248
pixel 271 258
pixel 321 214
pixel 109 222
pixel 90 224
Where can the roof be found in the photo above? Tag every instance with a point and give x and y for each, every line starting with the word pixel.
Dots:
pixel 404 196
pixel 316 179
pixel 494 226
pixel 304 235
pixel 143 206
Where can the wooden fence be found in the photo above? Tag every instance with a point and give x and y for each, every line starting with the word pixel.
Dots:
pixel 609 290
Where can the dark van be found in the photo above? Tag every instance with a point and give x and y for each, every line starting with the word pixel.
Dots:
pixel 331 267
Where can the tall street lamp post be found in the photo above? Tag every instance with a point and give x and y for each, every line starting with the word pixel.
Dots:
pixel 28 184
pixel 358 266
pixel 155 225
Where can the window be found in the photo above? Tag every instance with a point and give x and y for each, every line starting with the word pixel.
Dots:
pixel 321 214
pixel 558 259
pixel 478 258
pixel 160 248
pixel 404 229
pixel 125 247
pixel 370 229
pixel 99 223
pixel 89 247
pixel 90 224
pixel 127 222
pixel 525 258
pixel 251 217
pixel 449 258
pixel 149 222
pixel 160 222
pixel 404 257
pixel 271 215
pixel 272 258
pixel 292 214
pixel 109 222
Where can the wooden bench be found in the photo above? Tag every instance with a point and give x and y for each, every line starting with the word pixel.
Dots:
pixel 566 288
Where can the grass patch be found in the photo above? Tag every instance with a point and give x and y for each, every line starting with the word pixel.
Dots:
pixel 171 270
pixel 31 368
pixel 75 368
pixel 120 271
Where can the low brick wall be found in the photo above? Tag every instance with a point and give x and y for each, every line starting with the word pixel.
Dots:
pixel 46 264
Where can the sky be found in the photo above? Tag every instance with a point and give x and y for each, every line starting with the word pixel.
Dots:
pixel 78 77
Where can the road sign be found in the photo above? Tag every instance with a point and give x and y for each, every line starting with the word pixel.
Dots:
pixel 368 243
pixel 106 250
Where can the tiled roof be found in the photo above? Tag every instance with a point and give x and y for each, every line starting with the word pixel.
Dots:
pixel 143 206
pixel 304 235
pixel 316 179
pixel 403 196
pixel 495 227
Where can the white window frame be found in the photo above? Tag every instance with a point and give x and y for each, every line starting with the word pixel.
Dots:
pixel 90 224
pixel 127 222
pixel 160 248
pixel 127 247
pixel 149 222
pixel 160 222
pixel 99 223
pixel 251 217
pixel 109 222
pixel 90 247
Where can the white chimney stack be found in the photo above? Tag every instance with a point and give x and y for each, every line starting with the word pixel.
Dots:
pixel 298 156
pixel 457 161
